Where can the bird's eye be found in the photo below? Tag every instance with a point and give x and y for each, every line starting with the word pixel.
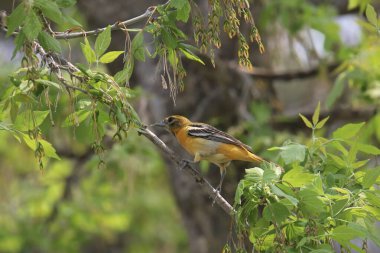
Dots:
pixel 170 120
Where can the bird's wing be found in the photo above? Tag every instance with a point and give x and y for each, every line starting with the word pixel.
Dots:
pixel 208 132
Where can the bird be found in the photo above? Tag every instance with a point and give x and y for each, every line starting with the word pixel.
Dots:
pixel 206 142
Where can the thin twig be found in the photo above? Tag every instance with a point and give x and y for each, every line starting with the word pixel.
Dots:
pixel 265 73
pixel 56 68
pixel 207 187
pixel 70 35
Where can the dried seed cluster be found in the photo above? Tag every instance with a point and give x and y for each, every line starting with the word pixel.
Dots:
pixel 207 34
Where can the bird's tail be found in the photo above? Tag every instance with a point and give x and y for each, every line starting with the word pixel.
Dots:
pixel 255 158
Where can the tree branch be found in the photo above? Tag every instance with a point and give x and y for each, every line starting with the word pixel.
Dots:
pixel 264 73
pixel 70 35
pixel 56 68
pixel 207 187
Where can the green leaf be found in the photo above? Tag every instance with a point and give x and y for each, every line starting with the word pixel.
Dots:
pixel 172 57
pixel 306 121
pixel 316 114
pixel 269 175
pixel 368 149
pixel 88 52
pixel 373 198
pixel 255 174
pixel 125 74
pixel 50 9
pixel 16 18
pixel 137 47
pixel 280 193
pixel 29 120
pixel 238 193
pixel 49 149
pixel 371 15
pixel 353 4
pixel 337 160
pixel 276 211
pixel 322 251
pixel 183 13
pixel 178 4
pixel 19 42
pixel 32 26
pixel 348 131
pixel 322 123
pixel 103 41
pixel 66 3
pixel 370 177
pixel 13 111
pixel 298 177
pixel 337 90
pixel 48 42
pixel 168 39
pixel 110 56
pixel 191 56
pixel 48 83
pixel 75 118
pixel 292 153
pixel 71 21
pixel 310 202
pixel 344 234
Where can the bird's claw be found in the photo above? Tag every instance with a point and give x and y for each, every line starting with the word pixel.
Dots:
pixel 218 189
pixel 183 163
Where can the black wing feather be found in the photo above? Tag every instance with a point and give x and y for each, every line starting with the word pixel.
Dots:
pixel 211 133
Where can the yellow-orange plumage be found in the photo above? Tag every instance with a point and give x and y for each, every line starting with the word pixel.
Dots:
pixel 205 142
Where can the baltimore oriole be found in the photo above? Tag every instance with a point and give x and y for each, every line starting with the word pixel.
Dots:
pixel 205 142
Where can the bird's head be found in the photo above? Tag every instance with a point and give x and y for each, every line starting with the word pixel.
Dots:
pixel 173 123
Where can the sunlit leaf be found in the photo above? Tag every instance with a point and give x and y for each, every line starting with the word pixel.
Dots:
pixel 371 15
pixel 370 177
pixel 103 41
pixel 298 177
pixel 293 152
pixel 88 52
pixel 29 120
pixel 191 56
pixel 110 56
pixel 316 114
pixel 306 121
pixel 280 193
pixel 76 118
pixel 322 123
pixel 337 90
pixel 49 149
pixel 348 131
pixel 343 234
pixel 310 202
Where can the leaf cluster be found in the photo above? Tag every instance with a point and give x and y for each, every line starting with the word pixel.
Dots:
pixel 326 195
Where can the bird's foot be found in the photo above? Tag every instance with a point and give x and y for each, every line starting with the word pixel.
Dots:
pixel 218 190
pixel 183 163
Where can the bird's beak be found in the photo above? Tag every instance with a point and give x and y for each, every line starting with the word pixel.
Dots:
pixel 158 124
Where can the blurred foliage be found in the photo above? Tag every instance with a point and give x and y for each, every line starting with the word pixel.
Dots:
pixel 73 206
